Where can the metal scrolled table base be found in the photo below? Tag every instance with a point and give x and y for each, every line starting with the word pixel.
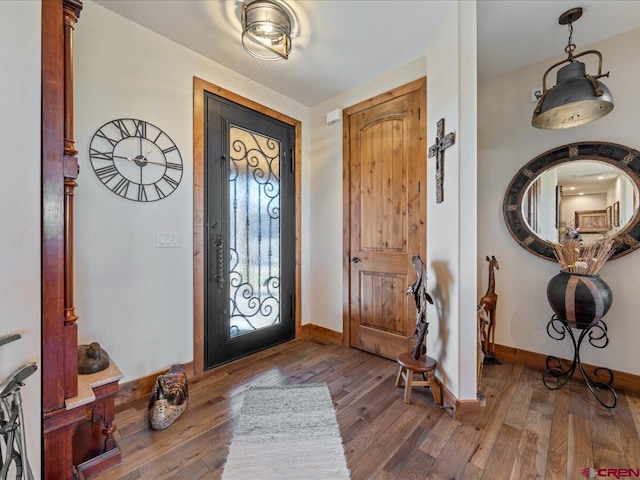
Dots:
pixel 556 376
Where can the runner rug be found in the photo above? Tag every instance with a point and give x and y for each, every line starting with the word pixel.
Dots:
pixel 287 432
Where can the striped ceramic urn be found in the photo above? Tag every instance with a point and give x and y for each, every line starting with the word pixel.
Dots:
pixel 579 299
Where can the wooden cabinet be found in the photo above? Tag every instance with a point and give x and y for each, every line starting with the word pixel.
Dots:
pixel 77 414
pixel 93 444
pixel 79 440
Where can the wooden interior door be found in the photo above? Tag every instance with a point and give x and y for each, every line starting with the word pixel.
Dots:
pixel 386 225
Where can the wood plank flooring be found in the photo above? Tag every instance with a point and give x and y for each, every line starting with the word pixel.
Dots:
pixel 524 432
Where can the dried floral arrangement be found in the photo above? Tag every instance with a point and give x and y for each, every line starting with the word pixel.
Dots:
pixel 575 257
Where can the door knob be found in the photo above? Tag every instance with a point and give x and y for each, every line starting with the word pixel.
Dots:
pixel 355 260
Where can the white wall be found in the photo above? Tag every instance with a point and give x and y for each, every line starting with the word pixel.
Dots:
pixel 134 298
pixel 506 142
pixel 547 223
pixel 573 203
pixel 451 91
pixel 137 300
pixel 624 192
pixel 20 205
pixel 451 225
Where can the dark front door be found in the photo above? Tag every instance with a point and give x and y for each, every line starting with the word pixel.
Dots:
pixel 250 231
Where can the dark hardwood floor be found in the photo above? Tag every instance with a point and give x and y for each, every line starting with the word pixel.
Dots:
pixel 525 431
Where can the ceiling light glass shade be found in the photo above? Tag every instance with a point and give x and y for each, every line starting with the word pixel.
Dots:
pixel 266 30
pixel 576 99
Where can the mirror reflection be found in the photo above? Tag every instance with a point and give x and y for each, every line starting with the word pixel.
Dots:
pixel 586 197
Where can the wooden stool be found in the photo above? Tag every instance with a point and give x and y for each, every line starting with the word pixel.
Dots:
pixel 425 367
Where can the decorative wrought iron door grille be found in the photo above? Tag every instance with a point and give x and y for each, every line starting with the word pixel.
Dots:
pixel 254 231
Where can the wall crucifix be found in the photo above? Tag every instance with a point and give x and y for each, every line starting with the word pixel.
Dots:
pixel 437 150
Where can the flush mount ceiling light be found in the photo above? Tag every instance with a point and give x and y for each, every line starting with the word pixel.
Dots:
pixel 266 30
pixel 577 98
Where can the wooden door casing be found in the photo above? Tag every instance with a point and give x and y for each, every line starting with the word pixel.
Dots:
pixel 386 222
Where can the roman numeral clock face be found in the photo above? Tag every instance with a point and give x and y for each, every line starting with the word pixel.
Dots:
pixel 136 160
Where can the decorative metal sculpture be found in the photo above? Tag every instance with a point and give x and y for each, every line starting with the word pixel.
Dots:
pixel 168 398
pixel 488 304
pixel 421 297
pixel 92 358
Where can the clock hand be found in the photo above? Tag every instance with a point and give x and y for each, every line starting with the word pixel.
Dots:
pixel 125 158
pixel 143 159
pixel 156 163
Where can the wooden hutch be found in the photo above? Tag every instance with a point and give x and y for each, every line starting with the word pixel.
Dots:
pixel 77 411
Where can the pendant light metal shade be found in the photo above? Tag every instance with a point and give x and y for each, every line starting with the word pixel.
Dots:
pixel 577 98
pixel 266 30
pixel 573 101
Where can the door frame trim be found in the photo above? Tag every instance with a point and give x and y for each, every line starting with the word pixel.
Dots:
pixel 419 84
pixel 201 86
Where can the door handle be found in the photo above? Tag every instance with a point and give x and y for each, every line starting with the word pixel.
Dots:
pixel 356 260
pixel 220 255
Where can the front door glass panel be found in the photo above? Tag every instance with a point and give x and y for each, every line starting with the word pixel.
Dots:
pixel 254 231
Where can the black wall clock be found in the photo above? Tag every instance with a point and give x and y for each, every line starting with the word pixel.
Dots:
pixel 136 160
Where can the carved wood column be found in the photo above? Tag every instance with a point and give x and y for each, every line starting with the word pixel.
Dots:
pixel 59 332
pixel 71 11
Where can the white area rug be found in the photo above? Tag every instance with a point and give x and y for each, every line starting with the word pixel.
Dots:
pixel 287 432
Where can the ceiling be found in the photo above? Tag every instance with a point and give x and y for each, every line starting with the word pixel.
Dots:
pixel 338 44
pixel 587 177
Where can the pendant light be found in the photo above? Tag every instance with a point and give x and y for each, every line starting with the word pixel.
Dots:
pixel 577 98
pixel 266 30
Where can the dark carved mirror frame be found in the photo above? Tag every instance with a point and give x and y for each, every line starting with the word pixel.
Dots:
pixel 625 158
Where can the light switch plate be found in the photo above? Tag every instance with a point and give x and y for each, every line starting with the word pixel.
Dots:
pixel 167 239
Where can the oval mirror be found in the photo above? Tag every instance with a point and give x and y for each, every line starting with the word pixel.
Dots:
pixel 591 187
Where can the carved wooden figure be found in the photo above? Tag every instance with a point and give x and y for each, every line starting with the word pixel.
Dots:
pixel 483 321
pixel 168 398
pixel 488 304
pixel 417 362
pixel 92 358
pixel 419 291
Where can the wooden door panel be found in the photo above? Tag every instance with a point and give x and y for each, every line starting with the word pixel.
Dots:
pixel 387 170
pixel 382 301
pixel 383 174
pixel 384 344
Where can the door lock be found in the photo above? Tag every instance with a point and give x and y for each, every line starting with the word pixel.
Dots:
pixel 356 260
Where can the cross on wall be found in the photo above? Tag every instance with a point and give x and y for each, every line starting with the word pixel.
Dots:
pixel 437 150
